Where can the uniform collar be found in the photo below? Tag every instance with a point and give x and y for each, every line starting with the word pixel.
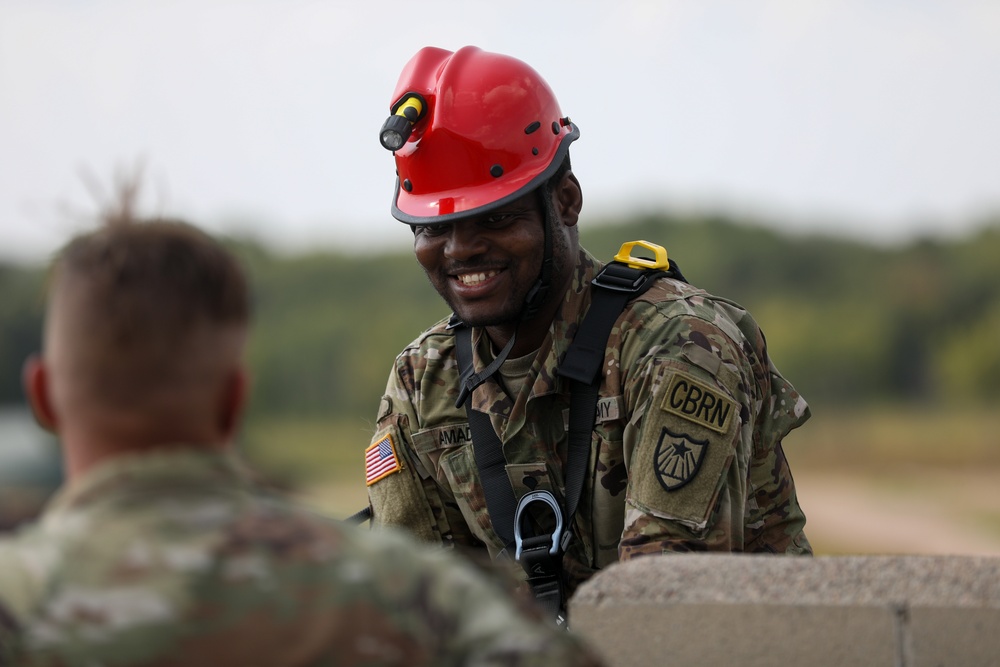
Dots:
pixel 574 307
pixel 188 465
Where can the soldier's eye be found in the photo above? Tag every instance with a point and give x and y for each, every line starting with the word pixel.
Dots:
pixel 433 230
pixel 498 220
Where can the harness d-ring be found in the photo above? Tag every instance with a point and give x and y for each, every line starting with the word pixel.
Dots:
pixel 546 498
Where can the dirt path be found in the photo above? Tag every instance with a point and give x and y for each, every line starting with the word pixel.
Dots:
pixel 909 512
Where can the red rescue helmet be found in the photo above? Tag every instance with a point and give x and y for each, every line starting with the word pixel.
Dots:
pixel 470 131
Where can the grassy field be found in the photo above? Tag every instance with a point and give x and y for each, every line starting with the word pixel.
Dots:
pixel 319 462
pixel 900 480
pixel 886 480
pixel 889 437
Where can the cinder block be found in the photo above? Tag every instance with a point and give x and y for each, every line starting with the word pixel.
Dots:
pixel 737 634
pixel 708 609
pixel 954 637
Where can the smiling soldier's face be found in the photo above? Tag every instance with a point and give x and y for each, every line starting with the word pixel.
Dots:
pixel 484 266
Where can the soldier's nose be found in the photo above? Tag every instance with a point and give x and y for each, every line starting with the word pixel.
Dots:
pixel 464 241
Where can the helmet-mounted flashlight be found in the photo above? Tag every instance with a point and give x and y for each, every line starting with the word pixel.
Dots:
pixel 397 128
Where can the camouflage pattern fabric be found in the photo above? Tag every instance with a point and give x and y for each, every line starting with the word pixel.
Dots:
pixel 175 559
pixel 686 452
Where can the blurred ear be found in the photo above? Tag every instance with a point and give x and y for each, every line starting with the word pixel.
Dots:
pixel 569 199
pixel 35 377
pixel 233 402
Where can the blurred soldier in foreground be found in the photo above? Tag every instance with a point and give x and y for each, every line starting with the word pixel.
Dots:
pixel 159 550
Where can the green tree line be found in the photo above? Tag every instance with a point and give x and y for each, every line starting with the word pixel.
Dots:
pixel 847 322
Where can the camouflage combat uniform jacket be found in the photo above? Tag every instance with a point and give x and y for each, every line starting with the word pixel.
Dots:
pixel 686 453
pixel 175 559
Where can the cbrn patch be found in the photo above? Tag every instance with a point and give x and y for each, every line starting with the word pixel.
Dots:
pixel 677 458
pixel 697 402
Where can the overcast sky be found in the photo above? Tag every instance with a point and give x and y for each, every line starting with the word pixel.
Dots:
pixel 877 119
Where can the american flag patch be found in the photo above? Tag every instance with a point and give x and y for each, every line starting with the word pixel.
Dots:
pixel 381 460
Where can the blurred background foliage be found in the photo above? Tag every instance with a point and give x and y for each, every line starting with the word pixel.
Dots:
pixel 848 323
pixel 896 348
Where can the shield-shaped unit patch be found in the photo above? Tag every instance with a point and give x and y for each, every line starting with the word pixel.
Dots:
pixel 677 458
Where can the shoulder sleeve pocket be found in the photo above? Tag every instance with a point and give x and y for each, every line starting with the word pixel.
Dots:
pixel 394 489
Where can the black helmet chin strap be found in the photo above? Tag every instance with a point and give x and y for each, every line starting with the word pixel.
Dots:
pixel 540 290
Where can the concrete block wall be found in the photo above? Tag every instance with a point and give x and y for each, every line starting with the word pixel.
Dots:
pixel 722 609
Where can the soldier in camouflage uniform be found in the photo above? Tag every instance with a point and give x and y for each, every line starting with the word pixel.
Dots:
pixel 686 446
pixel 160 550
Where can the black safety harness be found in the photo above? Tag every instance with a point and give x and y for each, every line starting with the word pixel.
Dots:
pixel 541 555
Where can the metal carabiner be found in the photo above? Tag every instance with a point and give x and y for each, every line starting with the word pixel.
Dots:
pixel 546 498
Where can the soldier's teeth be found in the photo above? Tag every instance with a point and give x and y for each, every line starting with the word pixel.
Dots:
pixel 475 278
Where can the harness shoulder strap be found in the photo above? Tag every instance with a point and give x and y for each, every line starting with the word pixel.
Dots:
pixel 614 286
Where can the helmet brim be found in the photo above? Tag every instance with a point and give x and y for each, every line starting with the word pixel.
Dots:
pixel 430 203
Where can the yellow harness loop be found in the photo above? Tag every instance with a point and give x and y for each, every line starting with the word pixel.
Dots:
pixel 659 260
